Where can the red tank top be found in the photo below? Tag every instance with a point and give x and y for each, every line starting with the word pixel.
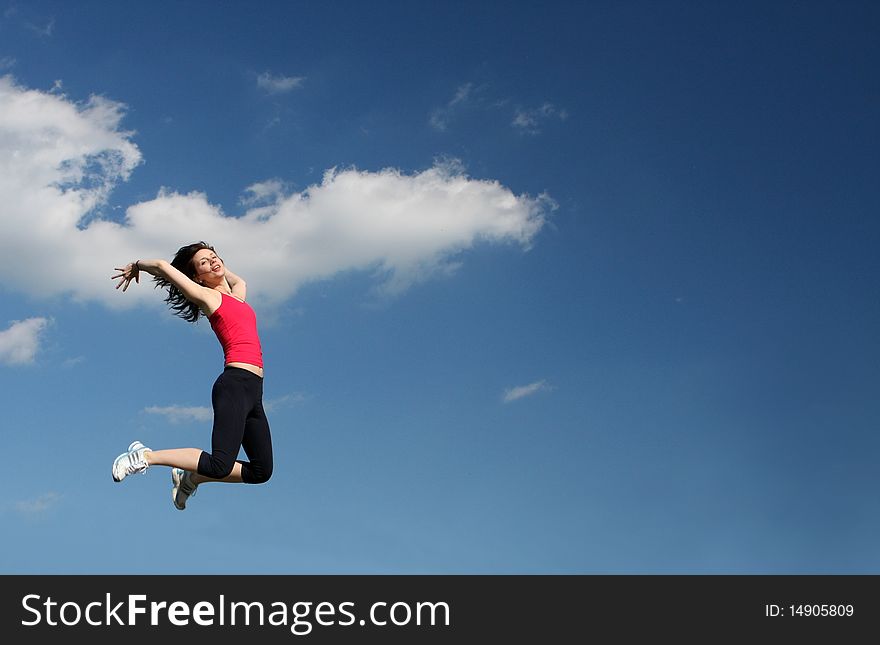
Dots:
pixel 235 324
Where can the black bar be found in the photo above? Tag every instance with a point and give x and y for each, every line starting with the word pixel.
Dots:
pixel 455 608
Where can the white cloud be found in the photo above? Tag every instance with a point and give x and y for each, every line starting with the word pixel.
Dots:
pixel 522 391
pixel 529 121
pixel 264 192
pixel 19 344
pixel 59 160
pixel 279 84
pixel 38 505
pixel 180 414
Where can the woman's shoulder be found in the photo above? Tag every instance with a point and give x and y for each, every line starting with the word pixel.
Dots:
pixel 211 303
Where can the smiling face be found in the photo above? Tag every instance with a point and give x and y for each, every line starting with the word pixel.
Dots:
pixel 208 268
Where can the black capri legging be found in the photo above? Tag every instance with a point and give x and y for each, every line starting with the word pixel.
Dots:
pixel 239 422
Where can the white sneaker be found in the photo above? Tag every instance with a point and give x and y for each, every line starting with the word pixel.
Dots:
pixel 183 488
pixel 130 462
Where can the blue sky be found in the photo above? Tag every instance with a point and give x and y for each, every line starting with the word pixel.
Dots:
pixel 566 287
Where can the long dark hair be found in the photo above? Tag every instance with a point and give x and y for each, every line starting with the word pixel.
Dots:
pixel 183 262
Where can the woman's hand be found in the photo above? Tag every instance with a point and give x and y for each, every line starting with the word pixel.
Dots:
pixel 126 274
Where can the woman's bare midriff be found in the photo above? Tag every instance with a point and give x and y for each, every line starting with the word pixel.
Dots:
pixel 247 366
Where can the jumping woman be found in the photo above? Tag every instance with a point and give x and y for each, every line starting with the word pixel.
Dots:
pixel 199 284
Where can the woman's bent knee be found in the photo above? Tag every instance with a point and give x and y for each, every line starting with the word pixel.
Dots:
pixel 211 466
pixel 258 475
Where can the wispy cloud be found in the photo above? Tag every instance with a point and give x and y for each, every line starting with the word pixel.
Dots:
pixel 529 121
pixel 278 84
pixel 201 414
pixel 20 343
pixel 59 161
pixel 45 31
pixel 6 63
pixel 182 414
pixel 472 97
pixel 441 116
pixel 522 391
pixel 277 403
pixel 38 505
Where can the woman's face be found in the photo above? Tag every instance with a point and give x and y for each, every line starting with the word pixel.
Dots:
pixel 208 267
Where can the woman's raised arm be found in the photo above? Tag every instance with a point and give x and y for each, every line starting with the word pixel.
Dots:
pixel 202 296
pixel 236 284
